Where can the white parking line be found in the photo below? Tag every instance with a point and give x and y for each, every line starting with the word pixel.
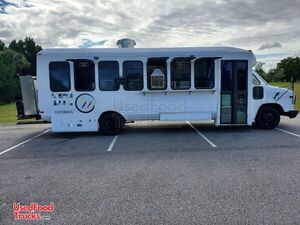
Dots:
pixel 112 143
pixel 24 142
pixel 202 135
pixel 288 132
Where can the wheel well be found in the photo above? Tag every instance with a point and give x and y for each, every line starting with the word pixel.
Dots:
pixel 113 113
pixel 276 106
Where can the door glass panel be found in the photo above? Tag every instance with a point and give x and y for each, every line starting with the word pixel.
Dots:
pixel 227 75
pixel 234 76
pixel 226 92
pixel 241 71
pixel 241 112
pixel 226 108
pixel 241 74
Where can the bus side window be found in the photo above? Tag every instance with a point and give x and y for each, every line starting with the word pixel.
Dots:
pixel 59 74
pixel 157 74
pixel 204 73
pixel 84 75
pixel 133 75
pixel 108 73
pixel 180 73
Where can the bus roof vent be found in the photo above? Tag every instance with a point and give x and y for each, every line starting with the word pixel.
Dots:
pixel 126 43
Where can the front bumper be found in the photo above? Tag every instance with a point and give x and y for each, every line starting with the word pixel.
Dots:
pixel 291 113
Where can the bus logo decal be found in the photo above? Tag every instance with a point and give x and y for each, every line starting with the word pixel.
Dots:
pixel 85 103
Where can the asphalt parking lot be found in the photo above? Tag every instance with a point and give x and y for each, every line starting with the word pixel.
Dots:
pixel 154 173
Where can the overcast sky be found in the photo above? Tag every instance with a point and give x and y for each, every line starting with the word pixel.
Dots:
pixel 271 28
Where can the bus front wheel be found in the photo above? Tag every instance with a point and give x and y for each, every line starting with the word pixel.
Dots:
pixel 268 118
pixel 111 123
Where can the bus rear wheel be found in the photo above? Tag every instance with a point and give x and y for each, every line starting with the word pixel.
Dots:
pixel 268 118
pixel 111 123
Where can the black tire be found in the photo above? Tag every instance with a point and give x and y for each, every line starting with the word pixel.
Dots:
pixel 268 118
pixel 111 124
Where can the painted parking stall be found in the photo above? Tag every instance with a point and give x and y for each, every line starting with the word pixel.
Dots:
pixel 168 165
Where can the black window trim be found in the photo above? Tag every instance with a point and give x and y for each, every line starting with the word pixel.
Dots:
pixel 187 58
pixel 123 78
pixel 194 75
pixel 83 59
pixel 166 75
pixel 116 80
pixel 70 81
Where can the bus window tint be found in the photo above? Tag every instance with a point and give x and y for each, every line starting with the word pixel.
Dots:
pixel 227 76
pixel 204 73
pixel 84 75
pixel 242 73
pixel 157 74
pixel 180 73
pixel 108 72
pixel 59 73
pixel 133 75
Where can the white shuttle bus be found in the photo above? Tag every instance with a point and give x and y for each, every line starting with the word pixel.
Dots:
pixel 102 89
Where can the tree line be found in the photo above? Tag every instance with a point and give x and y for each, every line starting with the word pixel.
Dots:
pixel 16 59
pixel 285 70
pixel 19 58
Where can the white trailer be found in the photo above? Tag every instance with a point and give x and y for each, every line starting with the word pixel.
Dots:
pixel 102 89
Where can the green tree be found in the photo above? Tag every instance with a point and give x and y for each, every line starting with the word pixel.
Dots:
pixel 29 49
pixel 290 68
pixel 279 74
pixel 2 46
pixel 271 75
pixel 11 64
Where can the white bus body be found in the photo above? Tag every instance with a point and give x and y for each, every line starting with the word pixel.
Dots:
pixel 100 89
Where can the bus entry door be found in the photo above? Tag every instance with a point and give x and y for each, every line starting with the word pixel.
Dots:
pixel 234 86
